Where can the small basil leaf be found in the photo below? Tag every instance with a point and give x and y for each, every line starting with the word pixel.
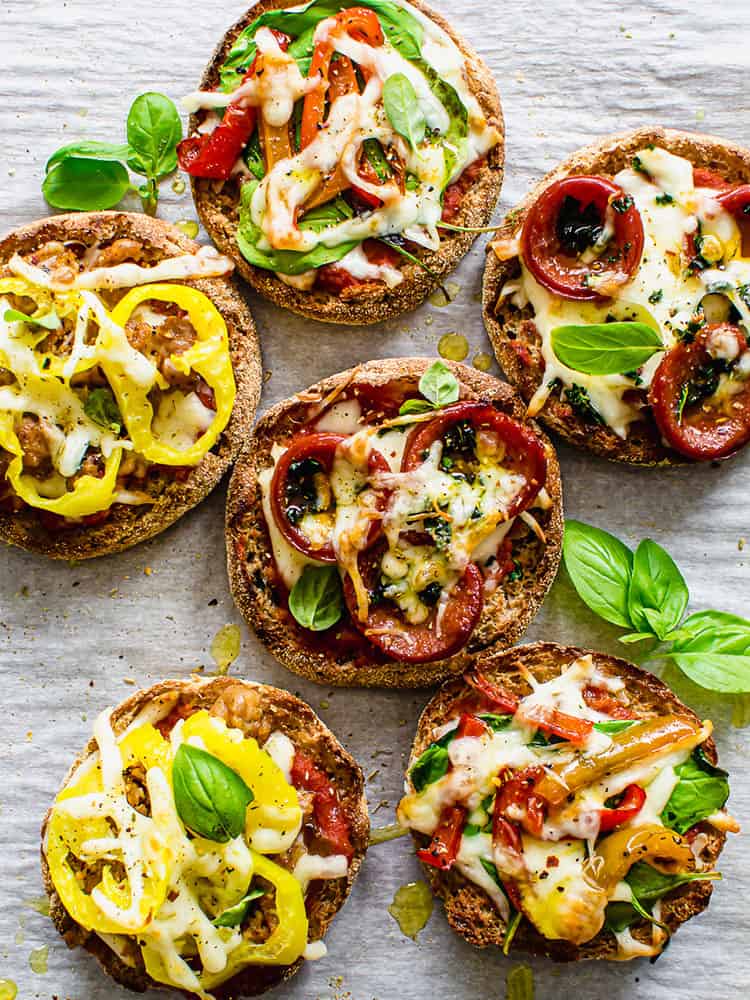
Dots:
pixel 102 408
pixel 211 799
pixel 429 767
pixel 658 594
pixel 402 107
pixel 153 129
pixel 316 600
pixel 722 672
pixel 415 406
pixel 89 150
pixel 702 789
pixel 86 185
pixel 439 385
pixel 605 348
pixel 600 567
pixel 631 637
pixel 615 726
pixel 50 322
pixel 712 632
pixel 235 915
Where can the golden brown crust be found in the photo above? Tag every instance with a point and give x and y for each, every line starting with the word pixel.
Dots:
pixel 127 526
pixel 468 908
pixel 297 720
pixel 510 328
pixel 217 207
pixel 507 612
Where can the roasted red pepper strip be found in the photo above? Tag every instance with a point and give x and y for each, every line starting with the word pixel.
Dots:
pixel 495 695
pixel 470 725
pixel 552 720
pixel 446 839
pixel 630 805
pixel 517 796
pixel 215 155
pixel 602 701
pixel 328 812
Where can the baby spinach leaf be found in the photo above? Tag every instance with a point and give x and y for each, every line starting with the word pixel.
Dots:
pixel 254 157
pixel 153 129
pixel 455 139
pixel 600 568
pixel 496 722
pixel 658 594
pixel 92 150
pixel 235 915
pixel 605 348
pixel 376 158
pixel 316 600
pixel 648 884
pixel 211 799
pixel 702 789
pixel 402 107
pixel 326 215
pixel 51 321
pixel 439 385
pixel 429 767
pixel 83 184
pixel 102 408
pixel 491 870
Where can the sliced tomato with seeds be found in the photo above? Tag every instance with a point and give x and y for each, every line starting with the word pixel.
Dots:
pixel 704 178
pixel 518 449
pixel 493 694
pixel 300 479
pixel 328 812
pixel 446 840
pixel 687 411
pixel 516 797
pixel 552 720
pixel 602 701
pixel 566 221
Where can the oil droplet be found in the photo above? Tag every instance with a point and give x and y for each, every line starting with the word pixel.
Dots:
pixel 382 833
pixel 444 295
pixel 225 647
pixel 520 983
pixel 741 711
pixel 38 960
pixel 39 903
pixel 8 989
pixel 482 362
pixel 189 227
pixel 178 185
pixel 411 907
pixel 453 346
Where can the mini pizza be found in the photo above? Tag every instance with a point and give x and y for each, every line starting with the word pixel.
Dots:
pixel 129 374
pixel 338 154
pixel 565 803
pixel 205 838
pixel 616 296
pixel 390 520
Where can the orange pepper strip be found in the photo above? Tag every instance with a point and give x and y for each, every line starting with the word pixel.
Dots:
pixel 275 142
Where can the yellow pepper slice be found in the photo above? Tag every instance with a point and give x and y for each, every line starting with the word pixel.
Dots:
pixel 616 854
pixel 209 357
pixel 69 833
pixel 275 804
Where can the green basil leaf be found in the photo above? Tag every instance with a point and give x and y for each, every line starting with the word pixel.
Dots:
pixel 722 672
pixel 635 637
pixel 599 566
pixel 153 129
pixel 429 767
pixel 86 185
pixel 658 594
pixel 101 407
pixel 326 215
pixel 471 830
pixel 254 157
pixel 402 107
pixel 496 722
pixel 49 322
pixel 648 884
pixel 415 406
pixel 702 789
pixel 491 870
pixel 615 726
pixel 439 385
pixel 619 916
pixel 316 600
pixel 211 799
pixel 235 915
pixel 712 632
pixel 455 139
pixel 605 348
pixel 89 150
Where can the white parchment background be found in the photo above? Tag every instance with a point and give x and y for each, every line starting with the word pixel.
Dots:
pixel 72 636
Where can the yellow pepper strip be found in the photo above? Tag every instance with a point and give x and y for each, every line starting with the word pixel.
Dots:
pixel 89 495
pixel 275 805
pixel 68 832
pixel 209 357
pixel 615 855
pixel 666 733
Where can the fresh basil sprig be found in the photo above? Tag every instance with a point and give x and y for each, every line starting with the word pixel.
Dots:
pixel 211 799
pixel 235 915
pixel 402 107
pixel 646 592
pixel 439 387
pixel 50 321
pixel 605 348
pixel 101 407
pixel 316 600
pixel 92 176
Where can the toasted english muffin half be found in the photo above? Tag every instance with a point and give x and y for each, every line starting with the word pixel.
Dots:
pixel 263 567
pixel 366 301
pixel 510 321
pixel 69 247
pixel 256 711
pixel 626 695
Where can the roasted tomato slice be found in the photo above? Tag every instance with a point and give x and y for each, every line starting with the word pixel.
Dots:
pixel 463 426
pixel 301 484
pixel 682 397
pixel 703 178
pixel 567 219
pixel 386 628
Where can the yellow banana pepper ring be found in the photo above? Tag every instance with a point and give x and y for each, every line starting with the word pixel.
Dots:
pixel 275 803
pixel 66 835
pixel 89 495
pixel 664 850
pixel 209 357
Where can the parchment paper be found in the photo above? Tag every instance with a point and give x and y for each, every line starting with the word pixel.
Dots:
pixel 74 639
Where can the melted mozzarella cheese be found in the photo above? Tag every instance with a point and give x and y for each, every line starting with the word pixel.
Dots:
pixel 181 419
